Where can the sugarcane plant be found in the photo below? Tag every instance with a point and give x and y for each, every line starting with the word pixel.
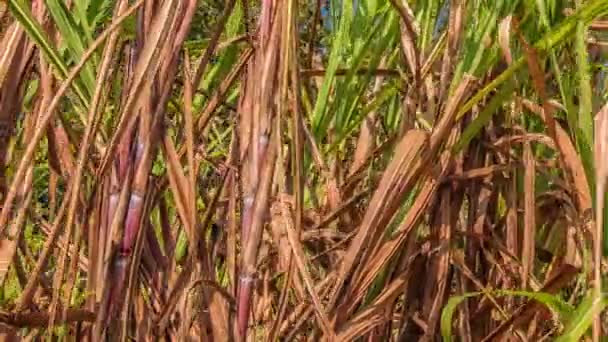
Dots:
pixel 284 170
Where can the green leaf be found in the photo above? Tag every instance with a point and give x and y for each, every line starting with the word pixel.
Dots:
pixel 484 117
pixel 80 9
pixel 24 16
pixel 553 302
pixel 582 318
pixel 319 120
pixel 387 92
pixel 229 56
pixel 98 11
pixel 181 247
pixel 351 90
pixel 72 37
pixel 556 36
pixel 448 312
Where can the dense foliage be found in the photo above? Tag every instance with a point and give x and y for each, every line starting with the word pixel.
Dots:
pixel 303 170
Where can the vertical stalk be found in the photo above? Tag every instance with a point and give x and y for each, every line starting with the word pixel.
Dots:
pixel 256 188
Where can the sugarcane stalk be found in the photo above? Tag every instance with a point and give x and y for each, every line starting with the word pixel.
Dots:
pixel 248 271
pixel 129 157
pixel 256 125
pixel 143 155
pixel 112 270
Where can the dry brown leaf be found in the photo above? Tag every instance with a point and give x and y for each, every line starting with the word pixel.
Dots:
pixel 398 176
pixel 572 162
pixel 529 236
pixel 504 37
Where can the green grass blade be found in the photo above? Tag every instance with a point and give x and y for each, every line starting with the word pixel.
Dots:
pixel 565 30
pixel 80 9
pixel 448 312
pixel 181 247
pixel 582 319
pixel 351 90
pixel 387 92
pixel 98 11
pixel 585 119
pixel 544 9
pixel 319 119
pixel 427 23
pixel 72 38
pixel 24 16
pixel 484 117
pixel 229 56
pixel 553 302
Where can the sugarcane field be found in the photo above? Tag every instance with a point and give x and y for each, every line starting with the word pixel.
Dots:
pixel 304 170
